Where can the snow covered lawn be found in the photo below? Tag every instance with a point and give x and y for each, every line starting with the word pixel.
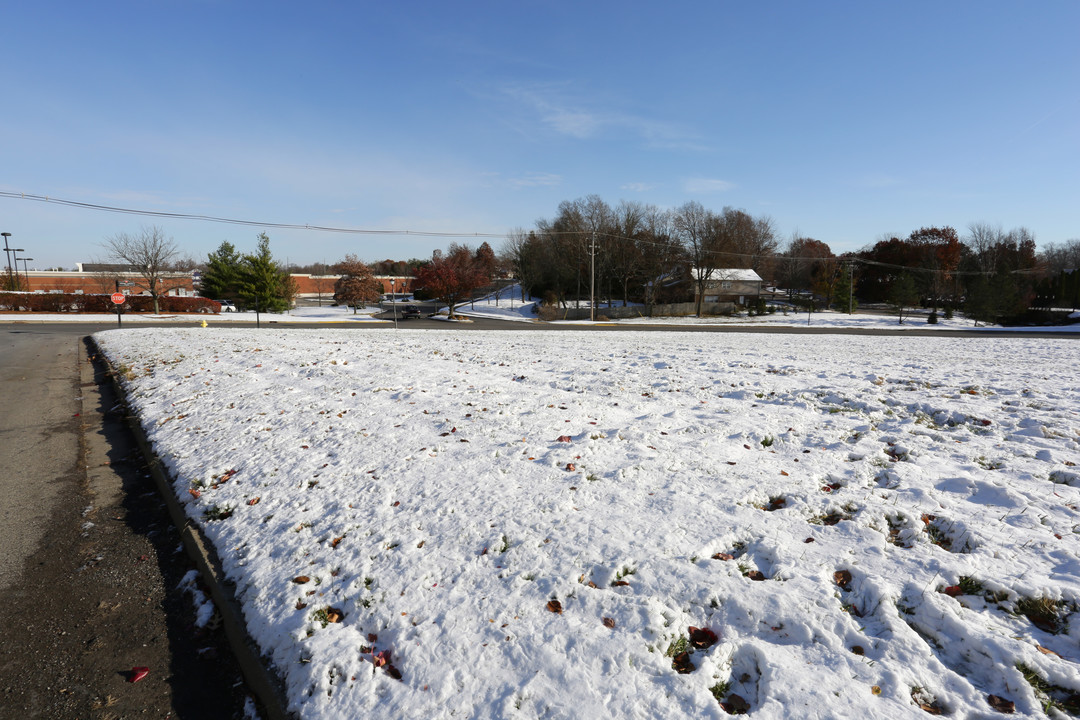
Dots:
pixel 634 525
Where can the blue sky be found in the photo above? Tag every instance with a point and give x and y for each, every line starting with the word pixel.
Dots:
pixel 842 120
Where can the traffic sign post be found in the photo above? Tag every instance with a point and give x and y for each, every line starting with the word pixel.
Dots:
pixel 118 299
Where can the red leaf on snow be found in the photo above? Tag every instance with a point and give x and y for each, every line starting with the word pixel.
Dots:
pixel 953 591
pixel 195 493
pixel 723 556
pixel 254 501
pixel 138 673
pixel 564 438
pixel 571 467
pixel 702 638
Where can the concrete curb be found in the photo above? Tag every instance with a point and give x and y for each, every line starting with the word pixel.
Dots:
pixel 263 683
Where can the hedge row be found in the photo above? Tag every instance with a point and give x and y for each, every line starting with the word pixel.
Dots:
pixel 71 302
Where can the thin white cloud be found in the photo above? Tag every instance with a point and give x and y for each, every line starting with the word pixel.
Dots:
pixel 535 180
pixel 637 187
pixel 706 186
pixel 563 110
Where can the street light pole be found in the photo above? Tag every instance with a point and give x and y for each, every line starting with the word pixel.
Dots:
pixel 26 272
pixel 7 252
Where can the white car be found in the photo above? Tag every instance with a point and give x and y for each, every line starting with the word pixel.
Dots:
pixel 226 306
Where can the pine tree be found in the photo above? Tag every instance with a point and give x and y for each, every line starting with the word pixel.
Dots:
pixel 221 279
pixel 264 284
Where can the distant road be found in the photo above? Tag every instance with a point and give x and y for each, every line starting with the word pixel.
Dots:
pixel 491 324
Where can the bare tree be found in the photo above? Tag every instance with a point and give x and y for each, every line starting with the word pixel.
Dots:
pixel 696 227
pixel 151 255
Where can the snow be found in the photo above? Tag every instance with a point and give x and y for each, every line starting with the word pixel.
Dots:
pixel 438 489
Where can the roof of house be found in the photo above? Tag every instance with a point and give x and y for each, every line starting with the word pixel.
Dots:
pixel 740 274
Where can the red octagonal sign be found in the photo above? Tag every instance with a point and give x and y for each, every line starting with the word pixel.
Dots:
pixel 118 298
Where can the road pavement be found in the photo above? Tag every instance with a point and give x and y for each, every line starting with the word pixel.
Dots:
pixel 89 561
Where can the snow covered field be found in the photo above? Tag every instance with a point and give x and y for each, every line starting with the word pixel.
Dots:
pixel 633 525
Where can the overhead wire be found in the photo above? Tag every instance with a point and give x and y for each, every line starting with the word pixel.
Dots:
pixel 431 233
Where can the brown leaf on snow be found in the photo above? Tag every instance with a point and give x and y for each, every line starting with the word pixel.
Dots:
pixel 300 604
pixel 1046 651
pixel 334 615
pixel 843 579
pixel 571 467
pixel 301 579
pixel 335 541
pixel 756 575
pixel 609 623
pixel 784 473
pixel 564 438
pixel 681 663
pixel 555 606
pixel 1001 704
pixel 723 556
pixel 619 583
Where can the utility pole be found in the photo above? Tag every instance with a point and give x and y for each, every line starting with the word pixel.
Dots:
pixel 851 285
pixel 592 279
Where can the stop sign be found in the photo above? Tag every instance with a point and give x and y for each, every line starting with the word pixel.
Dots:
pixel 118 298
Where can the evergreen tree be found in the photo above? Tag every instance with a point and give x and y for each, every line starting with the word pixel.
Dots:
pixel 221 279
pixel 264 284
pixel 843 293
pixel 902 294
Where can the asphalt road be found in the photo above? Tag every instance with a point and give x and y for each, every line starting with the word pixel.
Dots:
pixel 82 329
pixel 89 565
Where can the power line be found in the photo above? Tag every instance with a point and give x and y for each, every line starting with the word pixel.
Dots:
pixel 233 221
pixel 430 233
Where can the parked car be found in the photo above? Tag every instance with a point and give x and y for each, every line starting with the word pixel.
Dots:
pixel 226 306
pixel 410 311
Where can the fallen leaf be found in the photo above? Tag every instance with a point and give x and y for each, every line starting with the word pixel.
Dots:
pixel 843 579
pixel 334 615
pixel 1046 651
pixel 254 501
pixel 723 556
pixel 702 638
pixel 784 473
pixel 808 540
pixel 953 591
pixel 420 544
pixel 301 579
pixel 619 583
pixel 564 439
pixel 1001 704
pixel 735 705
pixel 372 637
pixel 681 663
pixel 876 689
pixel 138 673
pixel 300 604
pixel 571 467
pixel 756 575
pixel 335 541
pixel 858 649
pixel 609 623
pixel 555 606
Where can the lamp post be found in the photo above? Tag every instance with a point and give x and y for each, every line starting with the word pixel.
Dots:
pixel 7 252
pixel 26 272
